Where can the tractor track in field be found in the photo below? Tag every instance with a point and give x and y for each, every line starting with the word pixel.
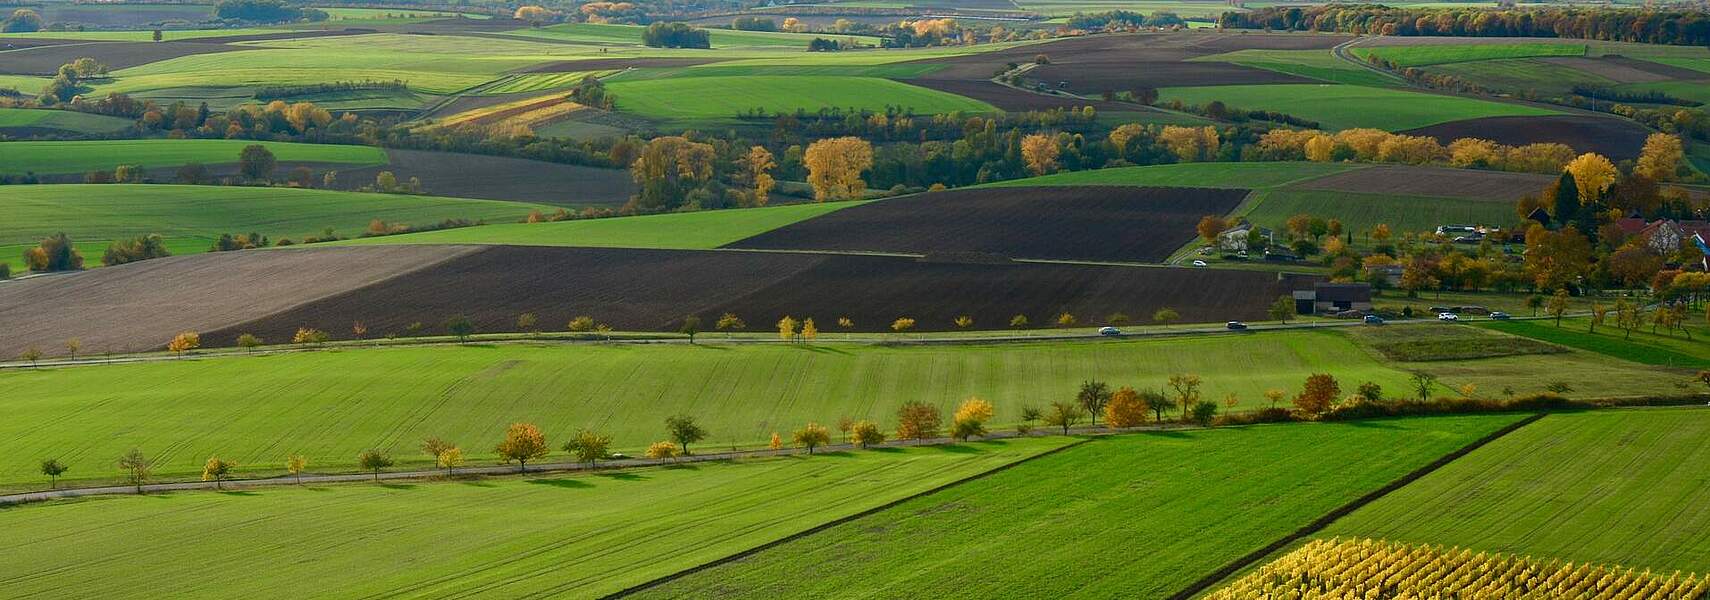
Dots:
pixel 833 523
pixel 1212 579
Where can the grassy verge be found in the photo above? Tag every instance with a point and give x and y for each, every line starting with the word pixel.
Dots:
pixel 1641 347
pixel 45 158
pixel 1347 106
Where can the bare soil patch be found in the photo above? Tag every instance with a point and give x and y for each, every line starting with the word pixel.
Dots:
pixel 140 306
pixel 46 59
pixel 1615 138
pixel 1496 186
pixel 651 290
pixel 1121 75
pixel 1096 223
pixel 500 178
pixel 1613 68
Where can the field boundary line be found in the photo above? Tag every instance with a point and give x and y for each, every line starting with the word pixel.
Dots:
pixel 1213 578
pixel 640 587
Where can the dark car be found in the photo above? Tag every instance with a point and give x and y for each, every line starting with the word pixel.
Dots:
pixel 1499 315
pixel 1236 325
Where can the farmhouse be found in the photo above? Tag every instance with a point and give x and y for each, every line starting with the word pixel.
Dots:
pixel 1664 236
pixel 1235 238
pixel 1331 298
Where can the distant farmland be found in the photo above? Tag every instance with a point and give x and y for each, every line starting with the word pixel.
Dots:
pixel 1148 514
pixel 76 157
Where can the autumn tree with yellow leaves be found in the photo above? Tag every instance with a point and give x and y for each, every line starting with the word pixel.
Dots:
pixel 1040 152
pixel 835 166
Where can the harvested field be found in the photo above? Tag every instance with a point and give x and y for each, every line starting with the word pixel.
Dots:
pixel 1615 138
pixel 1626 70
pixel 1098 223
pixel 46 59
pixel 1135 49
pixel 1432 181
pixel 500 178
pixel 140 306
pixel 1096 77
pixel 651 290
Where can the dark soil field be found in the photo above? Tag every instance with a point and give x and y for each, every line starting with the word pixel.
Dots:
pixel 1615 138
pixel 1011 99
pixel 1432 181
pixel 651 290
pixel 46 60
pixel 1094 223
pixel 123 15
pixel 1090 78
pixel 141 306
pixel 501 178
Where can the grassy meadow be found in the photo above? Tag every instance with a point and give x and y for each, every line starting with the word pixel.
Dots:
pixel 684 231
pixel 195 215
pixel 580 536
pixel 1348 106
pixel 719 99
pixel 1136 516
pixel 1435 54
pixel 1316 64
pixel 1361 212
pixel 1622 487
pixel 1642 346
pixel 630 35
pixel 54 157
pixel 62 120
pixel 330 405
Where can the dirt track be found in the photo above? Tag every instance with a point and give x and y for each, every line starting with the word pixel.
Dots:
pixel 141 306
pixel 1093 223
pixel 1613 137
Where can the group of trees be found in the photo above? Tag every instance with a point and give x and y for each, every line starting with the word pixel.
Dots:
pixel 266 11
pixel 675 35
pixel 22 20
pixel 1646 25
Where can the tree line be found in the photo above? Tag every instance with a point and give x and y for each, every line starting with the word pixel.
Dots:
pixel 1646 25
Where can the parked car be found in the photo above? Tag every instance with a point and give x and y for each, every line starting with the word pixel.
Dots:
pixel 1109 331
pixel 1448 316
pixel 1499 315
pixel 1373 320
pixel 1200 263
pixel 1236 325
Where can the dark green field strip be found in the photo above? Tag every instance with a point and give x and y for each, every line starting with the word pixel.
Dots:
pixel 1140 516
pixel 1622 487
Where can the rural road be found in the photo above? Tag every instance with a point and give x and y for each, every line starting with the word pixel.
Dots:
pixel 543 468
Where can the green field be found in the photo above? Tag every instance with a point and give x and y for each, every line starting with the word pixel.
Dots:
pixel 1641 347
pixel 62 120
pixel 77 157
pixel 1691 90
pixel 1361 212
pixel 1251 175
pixel 578 536
pixel 535 82
pixel 719 99
pixel 1317 64
pixel 343 16
pixel 330 405
pixel 1436 54
pixel 143 35
pixel 1347 106
pixel 1138 516
pixel 191 217
pixel 1617 487
pixel 595 33
pixel 690 230
pixel 1523 75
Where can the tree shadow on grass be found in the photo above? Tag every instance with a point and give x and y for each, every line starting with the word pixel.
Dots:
pixel 481 483
pixel 623 476
pixel 886 449
pixel 958 448
pixel 1371 424
pixel 1168 433
pixel 562 483
pixel 399 486
pixel 825 350
pixel 683 467
pixel 238 493
pixel 834 454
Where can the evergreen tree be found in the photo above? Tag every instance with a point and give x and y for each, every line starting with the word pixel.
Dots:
pixel 1566 200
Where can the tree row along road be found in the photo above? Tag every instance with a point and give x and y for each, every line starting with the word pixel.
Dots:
pixel 709 340
pixel 543 468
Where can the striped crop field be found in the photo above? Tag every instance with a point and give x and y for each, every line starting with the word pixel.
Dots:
pixel 534 82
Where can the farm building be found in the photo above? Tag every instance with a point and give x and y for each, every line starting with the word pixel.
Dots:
pixel 1664 236
pixel 1332 298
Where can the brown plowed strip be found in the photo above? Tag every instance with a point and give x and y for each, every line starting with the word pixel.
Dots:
pixel 609 64
pixel 140 306
pixel 651 290
pixel 1616 138
pixel 1093 223
pixel 1496 186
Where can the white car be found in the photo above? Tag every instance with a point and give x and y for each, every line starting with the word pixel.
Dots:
pixel 1200 263
pixel 1448 317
